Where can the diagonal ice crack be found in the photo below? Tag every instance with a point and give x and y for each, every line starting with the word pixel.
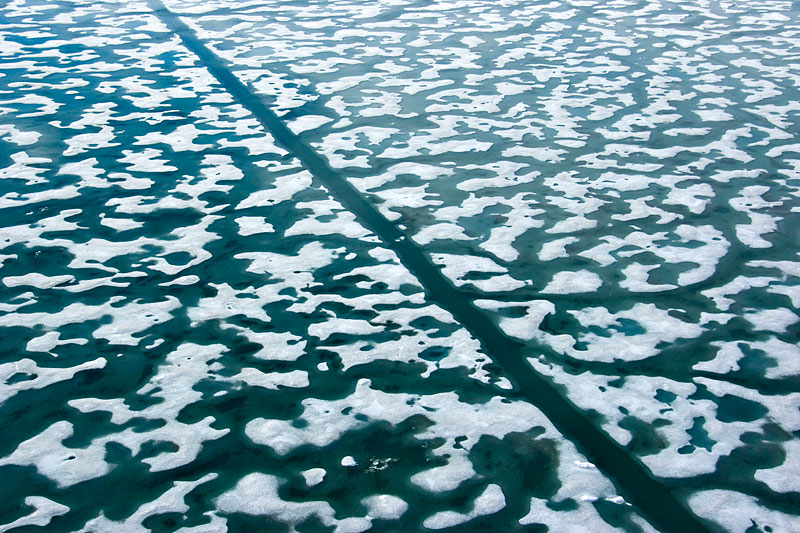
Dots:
pixel 629 475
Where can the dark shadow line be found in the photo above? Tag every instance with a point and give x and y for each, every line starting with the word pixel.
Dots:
pixel 630 476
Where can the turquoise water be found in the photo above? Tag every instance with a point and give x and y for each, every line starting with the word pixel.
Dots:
pixel 408 266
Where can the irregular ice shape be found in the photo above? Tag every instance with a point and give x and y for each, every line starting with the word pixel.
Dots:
pixel 43 513
pixel 385 506
pixel 737 512
pixel 313 476
pixel 573 282
pixel 658 325
pixel 65 466
pixel 783 478
pixel 172 501
pixel 50 340
pixel 326 422
pixel 174 384
pixel 489 502
pixel 255 378
pixel 34 279
pixel 308 122
pixel 257 494
pixel 42 376
pixel 253 226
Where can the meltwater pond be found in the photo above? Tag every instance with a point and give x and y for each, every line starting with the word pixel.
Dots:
pixel 402 266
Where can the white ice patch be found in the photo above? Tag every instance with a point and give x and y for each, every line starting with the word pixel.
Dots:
pixel 638 397
pixel 573 282
pixel 777 320
pixel 720 294
pixel 456 268
pixel 713 115
pixel 22 168
pixel 295 270
pixel 120 224
pixel 65 466
pixel 637 279
pixel 146 162
pixel 50 340
pixel 489 502
pixel 179 140
pixel 174 383
pixel 726 359
pixel 40 377
pixel 255 378
pixel 657 324
pixel 274 346
pixel 285 188
pixel 423 171
pixel 343 326
pixel 34 279
pixel 556 249
pixel 783 478
pixel 171 501
pixel 393 274
pixel 326 423
pixel 385 506
pixel 253 226
pixel 44 511
pixel 443 231
pixel 182 280
pixel 737 512
pixel 20 138
pixel 126 320
pixel 313 476
pixel 786 356
pixel 525 327
pixel 307 122
pixel 257 494
pixel 344 223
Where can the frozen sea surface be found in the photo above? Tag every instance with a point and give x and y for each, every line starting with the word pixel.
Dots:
pixel 404 266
